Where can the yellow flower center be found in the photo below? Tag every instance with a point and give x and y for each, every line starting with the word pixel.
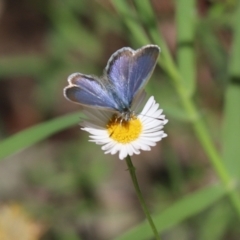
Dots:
pixel 124 131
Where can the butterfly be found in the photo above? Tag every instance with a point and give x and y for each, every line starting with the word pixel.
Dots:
pixel 124 78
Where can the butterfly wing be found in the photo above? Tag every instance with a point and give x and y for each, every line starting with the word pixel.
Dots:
pixel 125 76
pixel 89 91
pixel 128 71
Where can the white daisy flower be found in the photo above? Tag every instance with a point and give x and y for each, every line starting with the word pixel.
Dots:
pixel 124 136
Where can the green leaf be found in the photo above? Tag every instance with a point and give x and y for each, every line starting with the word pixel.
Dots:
pixel 178 212
pixel 30 136
pixel 216 222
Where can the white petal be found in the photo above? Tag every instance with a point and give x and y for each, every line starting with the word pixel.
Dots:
pixel 151 135
pixel 123 153
pixel 135 148
pixel 147 106
pixel 129 149
pixel 152 110
pixel 95 131
pixel 147 142
pixel 140 145
pixel 109 146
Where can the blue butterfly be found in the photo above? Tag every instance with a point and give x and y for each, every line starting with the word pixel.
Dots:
pixel 124 78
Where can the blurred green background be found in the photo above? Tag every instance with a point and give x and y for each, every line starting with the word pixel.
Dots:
pixel 54 184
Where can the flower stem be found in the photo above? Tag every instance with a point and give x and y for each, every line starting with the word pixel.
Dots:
pixel 131 169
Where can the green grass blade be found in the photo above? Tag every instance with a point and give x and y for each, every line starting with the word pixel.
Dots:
pixel 74 33
pixel 231 128
pixel 22 65
pixel 147 16
pixel 216 222
pixel 30 136
pixel 131 21
pixel 185 20
pixel 180 211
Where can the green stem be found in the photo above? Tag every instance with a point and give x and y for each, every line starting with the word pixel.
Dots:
pixel 131 169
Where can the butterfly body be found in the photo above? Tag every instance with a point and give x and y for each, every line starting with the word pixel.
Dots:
pixel 124 78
